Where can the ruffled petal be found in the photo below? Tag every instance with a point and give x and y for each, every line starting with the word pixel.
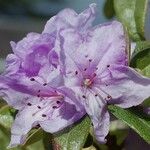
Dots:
pixel 126 87
pixel 93 52
pixel 13 64
pixel 53 114
pixel 68 18
pixel 17 90
pixel 67 115
pixel 112 45
pixel 96 108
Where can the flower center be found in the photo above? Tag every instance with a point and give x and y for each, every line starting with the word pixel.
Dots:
pixel 87 82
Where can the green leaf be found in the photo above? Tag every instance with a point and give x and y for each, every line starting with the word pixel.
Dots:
pixel 109 9
pixel 140 16
pixel 135 119
pixel 75 138
pixel 141 58
pixel 6 116
pixel 132 14
pixel 34 136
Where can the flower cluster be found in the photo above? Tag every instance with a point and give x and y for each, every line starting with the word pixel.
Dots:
pixel 72 68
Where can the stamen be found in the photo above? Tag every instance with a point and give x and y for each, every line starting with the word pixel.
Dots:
pixel 90 60
pixel 39 107
pixel 43 115
pixel 96 95
pixel 44 84
pixel 85 69
pixel 84 96
pixel 76 72
pixel 54 107
pixel 108 66
pixel 32 79
pixel 29 104
pixel 109 97
pixel 58 102
pixel 38 95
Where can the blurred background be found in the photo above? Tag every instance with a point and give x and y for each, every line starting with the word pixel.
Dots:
pixel 18 17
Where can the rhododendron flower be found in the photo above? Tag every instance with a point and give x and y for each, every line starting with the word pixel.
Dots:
pixel 53 77
pixel 96 66
pixel 32 83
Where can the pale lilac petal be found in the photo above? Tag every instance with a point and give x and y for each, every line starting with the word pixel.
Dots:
pixel 30 116
pixel 12 65
pixel 51 113
pixel 16 91
pixel 93 51
pixel 96 108
pixel 68 18
pixel 112 47
pixel 126 87
pixel 65 117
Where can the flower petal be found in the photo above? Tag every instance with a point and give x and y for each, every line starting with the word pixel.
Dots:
pixel 96 108
pixel 51 113
pixel 126 87
pixel 68 18
pixel 85 51
pixel 66 116
pixel 113 46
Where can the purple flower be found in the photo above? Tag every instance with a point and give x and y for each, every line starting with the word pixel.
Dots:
pixel 96 66
pixel 33 84
pixel 53 77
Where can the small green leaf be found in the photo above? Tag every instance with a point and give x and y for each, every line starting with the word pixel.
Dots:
pixel 34 136
pixel 6 116
pixel 109 9
pixel 140 16
pixel 141 58
pixel 75 138
pixel 132 14
pixel 136 120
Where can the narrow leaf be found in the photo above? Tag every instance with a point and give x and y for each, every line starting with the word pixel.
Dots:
pixel 132 14
pixel 140 16
pixel 75 138
pixel 140 58
pixel 135 119
pixel 6 116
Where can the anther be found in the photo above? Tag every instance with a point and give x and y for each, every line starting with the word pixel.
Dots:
pixel 54 107
pixel 90 60
pixel 43 115
pixel 39 107
pixel 58 102
pixel 38 95
pixel 109 97
pixel 76 72
pixel 44 84
pixel 108 66
pixel 84 96
pixel 29 104
pixel 32 79
pixel 96 95
pixel 85 69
